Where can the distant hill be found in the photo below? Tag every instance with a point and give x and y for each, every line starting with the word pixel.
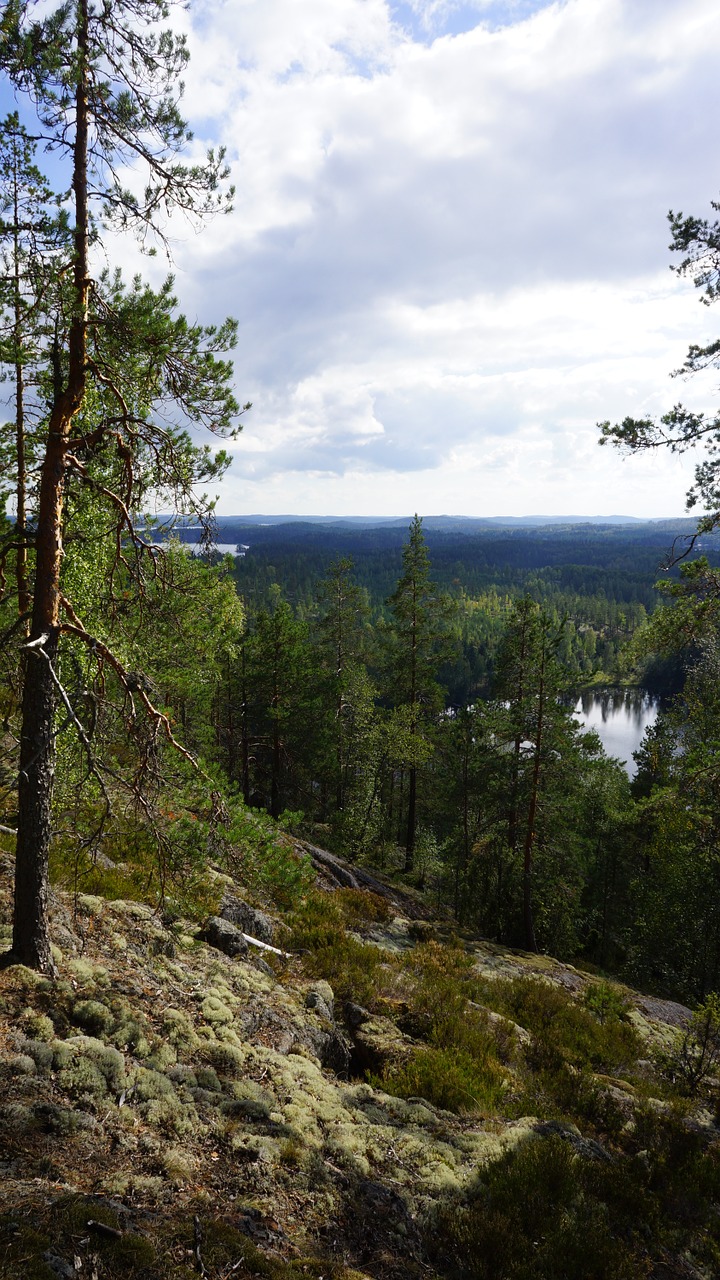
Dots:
pixel 467 523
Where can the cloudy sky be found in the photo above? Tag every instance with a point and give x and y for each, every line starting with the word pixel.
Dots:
pixel 448 252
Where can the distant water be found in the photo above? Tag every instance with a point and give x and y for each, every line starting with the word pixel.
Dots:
pixel 620 718
pixel 225 548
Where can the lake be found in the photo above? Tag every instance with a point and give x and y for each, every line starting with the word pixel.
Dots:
pixel 620 718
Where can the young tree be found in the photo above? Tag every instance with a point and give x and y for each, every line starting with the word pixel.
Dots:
pixel 104 82
pixel 338 640
pixel 415 637
pixel 277 679
pixel 539 738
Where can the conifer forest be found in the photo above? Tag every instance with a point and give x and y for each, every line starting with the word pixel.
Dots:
pixel 334 943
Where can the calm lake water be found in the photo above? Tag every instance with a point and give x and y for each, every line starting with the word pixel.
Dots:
pixel 620 718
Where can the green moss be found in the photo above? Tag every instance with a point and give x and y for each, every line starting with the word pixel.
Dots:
pixel 176 1166
pixel 62 1054
pixel 151 1084
pixel 37 1025
pixel 21 1064
pixel 83 1080
pixel 40 1052
pixel 15 1117
pixel 73 1212
pixel 207 1078
pixel 88 973
pixel 21 1251
pixel 64 1121
pixel 183 1075
pixel 172 1116
pixel 131 1254
pixel 179 1030
pixel 132 1032
pixel 162 1056
pixel 94 1016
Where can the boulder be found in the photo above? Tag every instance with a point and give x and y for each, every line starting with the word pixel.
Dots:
pixel 248 919
pixel 321 998
pixel 224 936
pixel 378 1043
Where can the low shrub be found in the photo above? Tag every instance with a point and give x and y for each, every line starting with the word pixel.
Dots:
pixel 452 1079
pixel 353 968
pixel 564 1031
pixel 542 1213
pixel 361 906
pixel 606 1002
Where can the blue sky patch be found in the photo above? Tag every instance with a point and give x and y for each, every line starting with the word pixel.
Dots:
pixel 425 20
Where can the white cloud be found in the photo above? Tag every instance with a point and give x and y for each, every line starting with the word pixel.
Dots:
pixel 448 253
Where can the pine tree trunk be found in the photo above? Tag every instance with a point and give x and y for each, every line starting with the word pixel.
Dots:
pixel 31 933
pixel 530 832
pixel 21 565
pixel 31 937
pixel 411 821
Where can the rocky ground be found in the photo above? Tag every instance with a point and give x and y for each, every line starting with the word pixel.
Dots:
pixel 180 1102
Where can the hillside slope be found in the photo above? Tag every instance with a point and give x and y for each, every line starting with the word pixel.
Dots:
pixel 384 1100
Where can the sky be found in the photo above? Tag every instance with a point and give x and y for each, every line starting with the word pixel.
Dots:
pixel 448 253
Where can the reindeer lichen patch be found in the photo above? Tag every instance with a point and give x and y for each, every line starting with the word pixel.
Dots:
pixel 89 974
pixel 91 905
pixel 215 1008
pixel 37 1025
pixel 162 1056
pixel 179 1029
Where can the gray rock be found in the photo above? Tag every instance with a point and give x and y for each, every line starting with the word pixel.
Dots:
pixel 378 1043
pixel 321 998
pixel 247 918
pixel 333 1049
pixel 570 1133
pixel 64 1270
pixel 355 1015
pixel 224 936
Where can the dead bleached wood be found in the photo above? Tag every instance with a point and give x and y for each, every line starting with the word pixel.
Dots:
pixel 265 946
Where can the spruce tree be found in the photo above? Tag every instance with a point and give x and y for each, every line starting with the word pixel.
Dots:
pixel 415 638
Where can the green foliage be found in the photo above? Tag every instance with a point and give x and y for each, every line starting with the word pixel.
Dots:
pixel 453 1079
pixel 544 1213
pixel 253 848
pixel 606 1001
pixel 563 1031
pixel 362 906
pixel 353 968
pixel 695 1059
pixel 94 1016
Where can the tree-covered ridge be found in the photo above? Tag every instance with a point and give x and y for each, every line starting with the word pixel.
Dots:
pixel 410 705
pixel 602 580
pixel 364 768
